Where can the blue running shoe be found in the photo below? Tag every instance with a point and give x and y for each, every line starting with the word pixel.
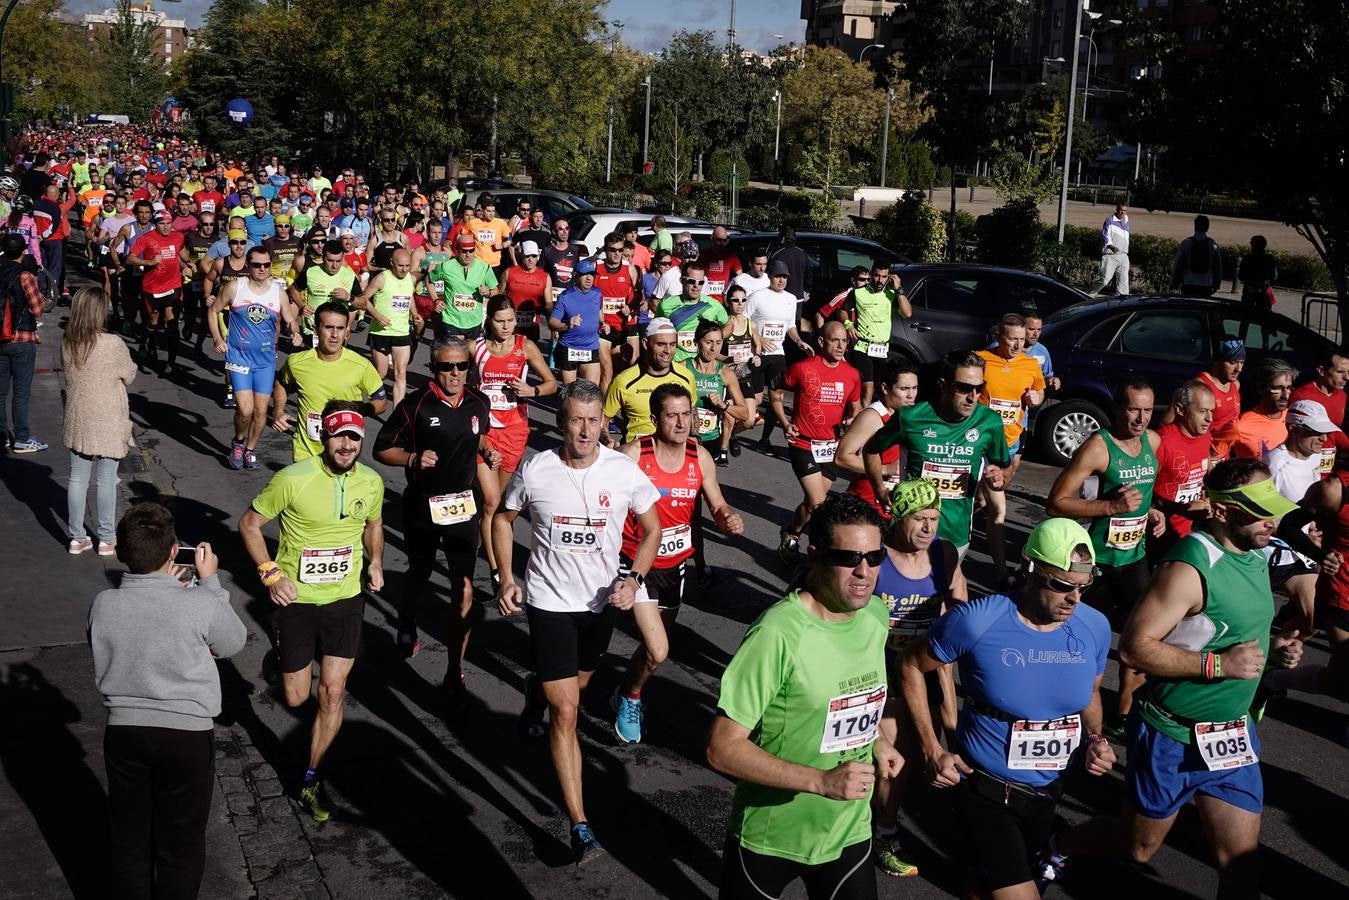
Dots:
pixel 584 845
pixel 628 714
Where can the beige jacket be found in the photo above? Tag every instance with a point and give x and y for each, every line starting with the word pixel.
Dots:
pixel 98 422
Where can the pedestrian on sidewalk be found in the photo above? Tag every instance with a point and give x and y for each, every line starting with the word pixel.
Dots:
pixel 154 642
pixel 21 305
pixel 1257 274
pixel 97 429
pixel 1115 251
pixel 1197 270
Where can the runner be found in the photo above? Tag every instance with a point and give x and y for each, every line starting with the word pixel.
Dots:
pixel 1183 453
pixel 1223 379
pixel 683 473
pixel 898 385
pixel 529 288
pixel 384 241
pixel 489 232
pixel 688 309
pixel 1013 385
pixel 255 304
pixel 328 372
pixel 1261 429
pixel 869 328
pixel 827 397
pixel 578 498
pixel 468 283
pixel 720 263
pixel 284 247
pixel 799 721
pixel 1295 465
pixel 142 223
pixel 560 257
pixel 1123 460
pixel 1021 724
pixel 1326 387
pixel 1035 325
pixel 388 299
pixel 315 285
pixel 438 435
pixel 955 443
pixel 1202 635
pixel 576 319
pixel 197 245
pixel 426 259
pixel 504 359
pixel 619 283
pixel 773 313
pixel 331 523
pixel 220 272
pixel 755 278
pixel 630 393
pixel 742 350
pixel 159 254
pixel 720 406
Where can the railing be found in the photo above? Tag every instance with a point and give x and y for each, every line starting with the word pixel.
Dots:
pixel 1326 320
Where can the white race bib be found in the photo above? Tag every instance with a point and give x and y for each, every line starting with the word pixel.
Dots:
pixel 774 331
pixel 851 720
pixel 313 425
pixel 1327 461
pixel 452 509
pixel 823 451
pixel 465 302
pixel 951 480
pixel 741 353
pixel 715 287
pixel 1008 410
pixel 686 342
pixel 319 565
pixel 576 534
pixel 707 420
pixel 496 394
pixel 675 540
pixel 400 302
pixel 877 350
pixel 1125 532
pixel 611 305
pixel 1043 744
pixel 1190 491
pixel 1224 745
pixel 438 288
pixel 575 355
pixel 487 237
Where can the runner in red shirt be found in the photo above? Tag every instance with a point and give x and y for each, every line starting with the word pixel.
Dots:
pixel 722 265
pixel 530 290
pixel 208 199
pixel 1327 389
pixel 618 284
pixel 896 387
pixel 828 396
pixel 1222 377
pixel 161 256
pixel 1182 462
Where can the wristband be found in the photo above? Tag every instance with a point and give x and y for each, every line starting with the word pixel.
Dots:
pixel 1212 665
pixel 1093 738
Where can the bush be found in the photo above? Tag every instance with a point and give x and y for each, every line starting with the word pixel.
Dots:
pixel 913 228
pixel 1009 236
pixel 703 199
pixel 722 162
pixel 760 218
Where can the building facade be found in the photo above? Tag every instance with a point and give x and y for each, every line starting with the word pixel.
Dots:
pixel 172 38
pixel 850 25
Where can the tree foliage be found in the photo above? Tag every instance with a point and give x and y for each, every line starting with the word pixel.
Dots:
pixel 832 109
pixel 136 80
pixel 37 42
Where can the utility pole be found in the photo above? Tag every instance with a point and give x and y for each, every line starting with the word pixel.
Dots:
pixel 646 125
pixel 1072 107
pixel 777 139
pixel 885 132
pixel 492 148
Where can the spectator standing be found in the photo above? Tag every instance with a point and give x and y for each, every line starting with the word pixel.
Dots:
pixel 1115 251
pixel 20 307
pixel 1257 274
pixel 153 642
pixel 1197 270
pixel 97 430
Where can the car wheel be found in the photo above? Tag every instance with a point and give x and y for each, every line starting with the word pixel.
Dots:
pixel 1065 426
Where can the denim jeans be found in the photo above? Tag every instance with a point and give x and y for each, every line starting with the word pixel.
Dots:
pixel 16 369
pixel 104 470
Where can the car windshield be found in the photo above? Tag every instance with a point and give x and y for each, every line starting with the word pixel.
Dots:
pixel 580 202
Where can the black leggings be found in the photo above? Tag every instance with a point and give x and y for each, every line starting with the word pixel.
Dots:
pixel 746 875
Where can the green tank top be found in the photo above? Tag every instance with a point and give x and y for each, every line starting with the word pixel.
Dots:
pixel 394 302
pixel 1238 607
pixel 432 287
pixel 319 287
pixel 707 419
pixel 1118 540
pixel 873 315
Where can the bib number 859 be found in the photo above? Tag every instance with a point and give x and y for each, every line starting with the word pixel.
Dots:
pixel 578 538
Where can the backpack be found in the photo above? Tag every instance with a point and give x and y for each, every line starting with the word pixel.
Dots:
pixel 13 303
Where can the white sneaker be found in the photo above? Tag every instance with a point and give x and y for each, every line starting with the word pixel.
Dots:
pixel 107 549
pixel 78 547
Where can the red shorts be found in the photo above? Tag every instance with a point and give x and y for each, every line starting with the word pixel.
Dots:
pixel 510 443
pixel 426 306
pixel 861 487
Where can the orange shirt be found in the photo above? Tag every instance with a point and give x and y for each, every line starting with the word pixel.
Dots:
pixel 491 237
pixel 231 175
pixel 93 204
pixel 1254 433
pixel 1006 380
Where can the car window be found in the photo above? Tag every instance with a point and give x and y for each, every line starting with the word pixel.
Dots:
pixel 820 256
pixel 581 224
pixel 1271 334
pixel 580 202
pixel 1023 295
pixel 553 207
pixel 1101 337
pixel 1178 336
pixel 851 257
pixel 966 295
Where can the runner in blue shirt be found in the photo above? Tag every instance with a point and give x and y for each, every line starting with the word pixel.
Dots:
pixel 576 317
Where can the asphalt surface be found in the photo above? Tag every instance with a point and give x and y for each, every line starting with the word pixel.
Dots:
pixel 428 807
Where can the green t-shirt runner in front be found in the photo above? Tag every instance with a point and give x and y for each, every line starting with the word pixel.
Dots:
pixel 315 382
pixel 811 693
pixel 464 305
pixel 949 454
pixel 1119 540
pixel 322 518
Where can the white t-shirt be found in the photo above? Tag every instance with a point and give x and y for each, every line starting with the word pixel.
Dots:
pixel 772 313
pixel 1292 476
pixel 577 520
pixel 668 283
pixel 750 283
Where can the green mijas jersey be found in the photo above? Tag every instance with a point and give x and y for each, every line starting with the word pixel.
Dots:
pixel 706 417
pixel 811 692
pixel 322 518
pixel 393 301
pixel 1118 540
pixel 686 317
pixel 1238 607
pixel 316 381
pixel 949 454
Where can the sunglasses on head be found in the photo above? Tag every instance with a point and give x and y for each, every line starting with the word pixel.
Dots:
pixel 451 366
pixel 851 559
pixel 962 387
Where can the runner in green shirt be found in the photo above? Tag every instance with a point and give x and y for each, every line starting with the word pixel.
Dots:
pixel 954 444
pixel 798 721
pixel 388 299
pixel 315 285
pixel 688 309
pixel 469 282
pixel 720 402
pixel 331 512
pixel 328 372
pixel 874 307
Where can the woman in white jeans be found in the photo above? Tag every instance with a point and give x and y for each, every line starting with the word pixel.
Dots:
pixel 98 369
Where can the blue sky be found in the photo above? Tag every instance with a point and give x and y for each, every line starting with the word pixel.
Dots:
pixel 647 26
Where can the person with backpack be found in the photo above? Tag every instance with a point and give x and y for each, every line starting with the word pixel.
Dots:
pixel 1257 274
pixel 21 304
pixel 1197 270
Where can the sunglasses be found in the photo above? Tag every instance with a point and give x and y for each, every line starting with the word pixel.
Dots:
pixel 961 387
pixel 451 366
pixel 851 559
pixel 316 242
pixel 1059 586
pixel 694 280
pixel 387 221
pixel 261 265
pixel 613 249
pixel 238 243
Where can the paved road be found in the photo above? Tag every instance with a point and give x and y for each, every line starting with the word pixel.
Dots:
pixel 430 808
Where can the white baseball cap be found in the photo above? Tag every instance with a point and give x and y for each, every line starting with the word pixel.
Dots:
pixel 529 248
pixel 1310 415
pixel 660 325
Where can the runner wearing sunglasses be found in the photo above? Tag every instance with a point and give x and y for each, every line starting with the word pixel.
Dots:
pixel 688 309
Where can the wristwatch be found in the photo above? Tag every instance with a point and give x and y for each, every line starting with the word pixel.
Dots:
pixel 637 577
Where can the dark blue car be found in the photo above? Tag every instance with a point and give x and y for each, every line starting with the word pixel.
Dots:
pixel 1166 341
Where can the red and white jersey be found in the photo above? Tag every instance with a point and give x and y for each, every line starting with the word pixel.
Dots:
pixel 495 372
pixel 677 504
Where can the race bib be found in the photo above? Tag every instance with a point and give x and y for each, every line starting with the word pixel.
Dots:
pixel 612 305
pixel 686 342
pixel 1008 410
pixel 675 540
pixel 1327 461
pixel 877 350
pixel 1190 491
pixel 486 237
pixel 1043 744
pixel 576 534
pixel 438 288
pixel 575 355
pixel 329 565
pixel 707 420
pixel 1224 745
pixel 465 302
pixel 452 509
pixel 774 331
pixel 823 451
pixel 557 292
pixel 951 480
pixel 851 720
pixel 496 394
pixel 715 288
pixel 313 425
pixel 741 353
pixel 1125 532
pixel 206 205
pixel 400 303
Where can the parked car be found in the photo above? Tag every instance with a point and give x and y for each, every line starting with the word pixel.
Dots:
pixel 555 204
pixel 1163 340
pixel 589 226
pixel 832 256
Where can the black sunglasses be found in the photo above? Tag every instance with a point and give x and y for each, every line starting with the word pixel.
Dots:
pixel 961 387
pixel 238 243
pixel 851 559
pixel 451 366
pixel 1059 586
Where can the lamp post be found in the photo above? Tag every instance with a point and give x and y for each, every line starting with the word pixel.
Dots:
pixel 1072 105
pixel 863 55
pixel 777 138
pixel 1092 48
pixel 885 131
pixel 646 124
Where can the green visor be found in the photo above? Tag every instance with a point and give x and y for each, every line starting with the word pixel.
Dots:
pixel 1259 498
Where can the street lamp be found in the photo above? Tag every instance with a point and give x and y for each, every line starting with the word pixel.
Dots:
pixel 609 153
pixel 777 135
pixel 863 55
pixel 646 125
pixel 1072 106
pixel 1091 47
pixel 885 131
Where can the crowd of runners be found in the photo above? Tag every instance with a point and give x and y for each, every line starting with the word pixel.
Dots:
pixel 1210 539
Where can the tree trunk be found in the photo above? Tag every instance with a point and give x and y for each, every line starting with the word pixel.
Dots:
pixel 951 226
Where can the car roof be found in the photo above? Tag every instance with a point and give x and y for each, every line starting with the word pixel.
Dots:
pixel 1102 305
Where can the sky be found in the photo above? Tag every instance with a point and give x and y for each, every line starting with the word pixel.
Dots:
pixel 757 21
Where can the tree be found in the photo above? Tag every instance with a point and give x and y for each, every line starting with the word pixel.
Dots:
pixel 831 110
pixel 1016 179
pixel 37 41
pixel 136 77
pixel 670 147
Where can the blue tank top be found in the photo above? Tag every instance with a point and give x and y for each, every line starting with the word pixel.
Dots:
pixel 914 603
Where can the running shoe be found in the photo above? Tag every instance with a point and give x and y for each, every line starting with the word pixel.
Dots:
pixel 78 547
pixel 789 548
pixel 314 802
pixel 32 445
pixel 250 459
pixel 890 858
pixel 236 457
pixel 735 448
pixel 230 402
pixel 722 459
pixel 1049 867
pixel 409 643
pixel 628 715
pixel 708 578
pixel 456 693
pixel 584 845
pixel 531 725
